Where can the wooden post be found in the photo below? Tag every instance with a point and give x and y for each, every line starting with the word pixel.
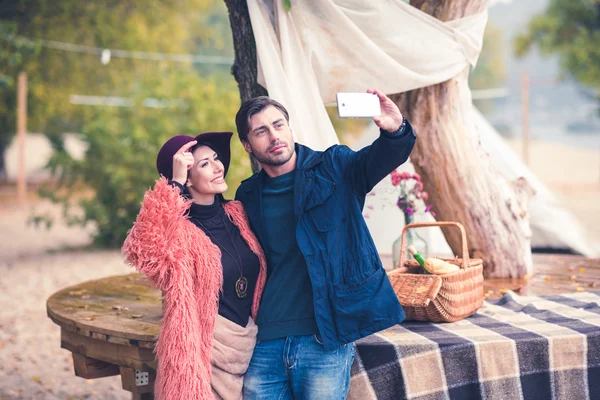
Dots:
pixel 525 116
pixel 21 133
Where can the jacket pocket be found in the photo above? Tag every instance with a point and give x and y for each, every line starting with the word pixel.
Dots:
pixel 320 205
pixel 357 305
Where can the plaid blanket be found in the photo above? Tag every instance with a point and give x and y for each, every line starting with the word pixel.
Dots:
pixel 516 347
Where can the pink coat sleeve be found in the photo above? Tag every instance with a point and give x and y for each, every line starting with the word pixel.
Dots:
pixel 156 242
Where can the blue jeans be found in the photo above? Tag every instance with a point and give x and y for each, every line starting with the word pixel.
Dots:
pixel 298 367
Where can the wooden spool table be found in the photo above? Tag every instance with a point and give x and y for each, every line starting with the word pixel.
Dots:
pixel 111 325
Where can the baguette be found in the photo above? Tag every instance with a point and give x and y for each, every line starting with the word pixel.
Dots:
pixel 439 267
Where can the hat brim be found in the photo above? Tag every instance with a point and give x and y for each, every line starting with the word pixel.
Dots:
pixel 221 143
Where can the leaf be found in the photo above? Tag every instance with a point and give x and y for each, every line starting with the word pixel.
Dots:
pixel 37 379
pixel 287 4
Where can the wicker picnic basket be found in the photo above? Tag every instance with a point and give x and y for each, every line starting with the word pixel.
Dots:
pixel 438 298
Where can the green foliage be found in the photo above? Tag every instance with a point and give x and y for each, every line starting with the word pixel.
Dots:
pixel 122 142
pixel 106 186
pixel 167 26
pixel 490 71
pixel 570 29
pixel 14 52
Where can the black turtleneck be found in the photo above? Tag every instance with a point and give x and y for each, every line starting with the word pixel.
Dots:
pixel 221 231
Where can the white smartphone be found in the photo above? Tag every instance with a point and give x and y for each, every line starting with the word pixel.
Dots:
pixel 358 105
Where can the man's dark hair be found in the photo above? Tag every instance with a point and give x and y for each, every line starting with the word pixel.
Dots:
pixel 252 107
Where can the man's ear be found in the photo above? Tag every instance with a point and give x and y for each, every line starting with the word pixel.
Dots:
pixel 247 146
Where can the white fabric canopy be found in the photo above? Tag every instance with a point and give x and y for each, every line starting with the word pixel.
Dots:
pixel 327 46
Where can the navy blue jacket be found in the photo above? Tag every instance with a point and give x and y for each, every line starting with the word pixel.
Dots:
pixel 352 295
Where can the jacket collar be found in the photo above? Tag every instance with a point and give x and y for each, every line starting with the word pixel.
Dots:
pixel 307 158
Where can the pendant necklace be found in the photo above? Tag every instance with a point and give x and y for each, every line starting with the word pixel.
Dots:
pixel 241 284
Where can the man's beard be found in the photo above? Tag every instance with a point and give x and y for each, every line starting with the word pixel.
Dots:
pixel 276 161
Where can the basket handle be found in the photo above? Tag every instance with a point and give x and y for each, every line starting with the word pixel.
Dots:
pixel 465 249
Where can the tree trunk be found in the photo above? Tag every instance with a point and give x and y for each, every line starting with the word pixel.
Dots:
pixel 458 175
pixel 462 183
pixel 244 68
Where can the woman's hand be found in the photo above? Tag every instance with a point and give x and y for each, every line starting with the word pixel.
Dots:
pixel 183 160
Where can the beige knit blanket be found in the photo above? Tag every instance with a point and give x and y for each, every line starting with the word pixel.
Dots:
pixel 230 356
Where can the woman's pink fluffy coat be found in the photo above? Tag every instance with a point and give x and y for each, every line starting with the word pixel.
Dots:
pixel 180 259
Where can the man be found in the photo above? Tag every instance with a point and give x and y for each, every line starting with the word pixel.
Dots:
pixel 326 286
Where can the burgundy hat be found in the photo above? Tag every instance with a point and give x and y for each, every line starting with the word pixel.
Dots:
pixel 219 141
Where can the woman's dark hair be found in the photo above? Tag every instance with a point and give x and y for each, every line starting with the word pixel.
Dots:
pixel 210 146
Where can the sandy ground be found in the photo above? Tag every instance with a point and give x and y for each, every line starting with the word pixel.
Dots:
pixel 35 263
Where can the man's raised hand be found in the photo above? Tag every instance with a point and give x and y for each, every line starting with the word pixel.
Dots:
pixel 391 117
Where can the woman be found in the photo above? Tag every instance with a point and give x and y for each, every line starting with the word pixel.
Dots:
pixel 200 251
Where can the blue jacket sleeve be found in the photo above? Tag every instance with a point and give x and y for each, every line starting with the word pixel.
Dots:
pixel 367 167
